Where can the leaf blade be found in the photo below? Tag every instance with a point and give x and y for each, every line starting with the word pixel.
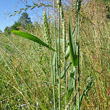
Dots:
pixel 73 55
pixel 32 38
pixel 86 90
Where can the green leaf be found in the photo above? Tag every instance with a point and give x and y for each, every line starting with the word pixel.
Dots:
pixel 72 79
pixel 19 12
pixel 86 90
pixel 72 74
pixel 63 72
pixel 74 56
pixel 69 94
pixel 21 8
pixel 53 69
pixel 28 6
pixel 11 15
pixel 16 11
pixel 31 37
pixel 71 83
pixel 35 4
pixel 33 7
pixel 25 9
pixel 67 52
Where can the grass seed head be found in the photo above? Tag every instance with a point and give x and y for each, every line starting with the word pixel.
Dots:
pixel 46 29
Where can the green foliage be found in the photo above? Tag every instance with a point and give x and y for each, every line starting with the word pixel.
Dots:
pixel 24 19
pixel 7 31
pixel 53 69
pixel 73 47
pixel 63 72
pixel 16 26
pixel 31 37
pixel 23 22
pixel 67 52
pixel 71 83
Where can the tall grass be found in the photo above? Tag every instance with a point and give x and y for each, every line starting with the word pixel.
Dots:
pixel 79 65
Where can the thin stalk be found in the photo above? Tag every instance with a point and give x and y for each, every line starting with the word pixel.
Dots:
pixel 65 72
pixel 55 49
pixel 64 36
pixel 59 84
pixel 64 46
pixel 78 6
pixel 54 97
pixel 78 78
pixel 75 89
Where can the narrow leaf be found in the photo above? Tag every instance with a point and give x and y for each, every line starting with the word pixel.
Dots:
pixel 53 69
pixel 25 9
pixel 63 72
pixel 28 6
pixel 21 8
pixel 67 52
pixel 31 37
pixel 73 55
pixel 16 11
pixel 71 83
pixel 33 7
pixel 69 94
pixel 86 90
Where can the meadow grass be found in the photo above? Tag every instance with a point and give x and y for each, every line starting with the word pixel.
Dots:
pixel 77 81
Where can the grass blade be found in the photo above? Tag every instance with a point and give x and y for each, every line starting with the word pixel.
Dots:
pixel 31 37
pixel 53 69
pixel 63 72
pixel 67 52
pixel 74 56
pixel 86 90
pixel 71 83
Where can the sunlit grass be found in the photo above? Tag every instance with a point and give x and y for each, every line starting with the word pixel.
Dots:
pixel 25 70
